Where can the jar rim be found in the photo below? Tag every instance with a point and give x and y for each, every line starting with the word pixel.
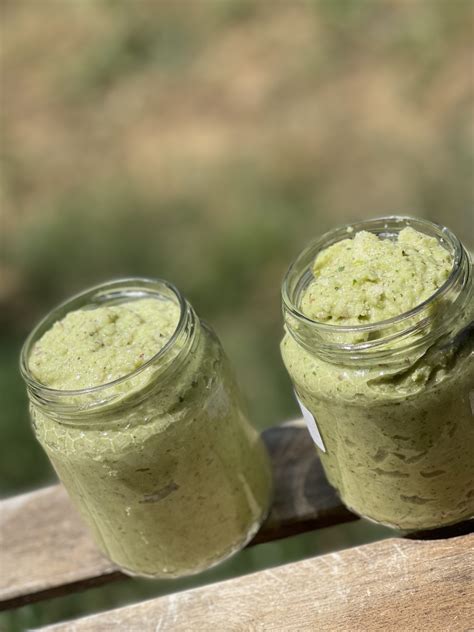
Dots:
pixel 138 287
pixel 396 221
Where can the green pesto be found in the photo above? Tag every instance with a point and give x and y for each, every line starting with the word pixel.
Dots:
pixel 398 438
pixel 368 279
pixel 171 478
pixel 88 348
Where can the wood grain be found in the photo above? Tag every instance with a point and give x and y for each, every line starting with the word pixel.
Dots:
pixel 46 551
pixel 395 585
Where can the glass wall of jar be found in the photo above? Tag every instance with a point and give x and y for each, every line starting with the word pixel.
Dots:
pixel 390 403
pixel 162 463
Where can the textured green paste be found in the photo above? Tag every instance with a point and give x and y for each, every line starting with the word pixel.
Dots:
pixel 170 477
pixel 398 437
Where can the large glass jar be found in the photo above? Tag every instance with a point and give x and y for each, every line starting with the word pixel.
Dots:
pixel 162 463
pixel 390 404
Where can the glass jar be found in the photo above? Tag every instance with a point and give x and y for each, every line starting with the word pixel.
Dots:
pixel 162 464
pixel 389 404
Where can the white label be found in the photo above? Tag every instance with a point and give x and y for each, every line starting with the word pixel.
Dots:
pixel 312 425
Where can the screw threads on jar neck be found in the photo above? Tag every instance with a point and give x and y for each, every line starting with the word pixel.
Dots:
pixel 388 341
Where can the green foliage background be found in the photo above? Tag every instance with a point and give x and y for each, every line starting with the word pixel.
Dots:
pixel 206 141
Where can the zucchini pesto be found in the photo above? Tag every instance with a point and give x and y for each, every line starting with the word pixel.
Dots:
pixel 379 345
pixel 146 429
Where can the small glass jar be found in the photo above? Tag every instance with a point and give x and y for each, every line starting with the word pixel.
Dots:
pixel 162 464
pixel 390 404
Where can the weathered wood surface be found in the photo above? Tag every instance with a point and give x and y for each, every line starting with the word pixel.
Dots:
pixel 395 585
pixel 45 550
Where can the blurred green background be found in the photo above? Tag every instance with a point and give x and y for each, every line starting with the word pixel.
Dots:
pixel 206 141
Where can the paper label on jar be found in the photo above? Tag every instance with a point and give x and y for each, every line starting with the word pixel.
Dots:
pixel 312 425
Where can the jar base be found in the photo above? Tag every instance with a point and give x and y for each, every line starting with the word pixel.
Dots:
pixel 220 560
pixel 406 530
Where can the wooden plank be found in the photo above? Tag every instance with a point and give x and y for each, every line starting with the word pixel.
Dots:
pixel 46 551
pixel 392 585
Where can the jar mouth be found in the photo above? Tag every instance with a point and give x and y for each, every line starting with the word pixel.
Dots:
pixel 387 227
pixel 107 293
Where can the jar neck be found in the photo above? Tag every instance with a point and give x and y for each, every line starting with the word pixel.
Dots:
pixel 444 313
pixel 98 402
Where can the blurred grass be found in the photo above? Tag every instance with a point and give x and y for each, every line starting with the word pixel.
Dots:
pixel 207 142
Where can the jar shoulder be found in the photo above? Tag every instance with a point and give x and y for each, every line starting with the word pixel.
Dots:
pixel 430 376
